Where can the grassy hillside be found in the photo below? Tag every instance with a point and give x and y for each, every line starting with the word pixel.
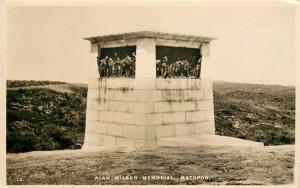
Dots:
pixel 25 83
pixel 44 115
pixel 41 118
pixel 263 113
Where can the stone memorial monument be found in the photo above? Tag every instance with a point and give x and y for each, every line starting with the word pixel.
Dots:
pixel 151 86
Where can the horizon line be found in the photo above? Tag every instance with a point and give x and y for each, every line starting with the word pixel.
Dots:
pixel 214 81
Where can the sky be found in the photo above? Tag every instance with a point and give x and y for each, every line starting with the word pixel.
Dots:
pixel 255 42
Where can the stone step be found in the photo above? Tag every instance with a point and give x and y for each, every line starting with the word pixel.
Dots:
pixel 205 139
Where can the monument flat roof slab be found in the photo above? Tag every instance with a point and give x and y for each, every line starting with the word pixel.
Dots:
pixel 148 34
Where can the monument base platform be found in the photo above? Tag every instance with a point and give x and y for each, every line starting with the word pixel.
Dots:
pixel 194 140
pixel 206 139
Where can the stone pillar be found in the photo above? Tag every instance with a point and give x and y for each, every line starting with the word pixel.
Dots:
pixel 145 58
pixel 95 49
pixel 206 76
pixel 89 139
pixel 206 66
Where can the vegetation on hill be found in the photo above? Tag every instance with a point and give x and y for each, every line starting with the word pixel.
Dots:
pixel 263 113
pixel 52 118
pixel 44 119
pixel 25 83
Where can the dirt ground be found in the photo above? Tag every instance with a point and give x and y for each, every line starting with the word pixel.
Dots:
pixel 162 165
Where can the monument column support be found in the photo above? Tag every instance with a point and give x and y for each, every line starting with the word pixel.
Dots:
pixel 206 64
pixel 206 76
pixel 145 58
pixel 95 50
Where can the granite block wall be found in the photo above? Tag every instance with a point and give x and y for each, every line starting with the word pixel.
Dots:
pixel 137 112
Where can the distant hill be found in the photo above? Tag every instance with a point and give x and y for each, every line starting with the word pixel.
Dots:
pixel 263 113
pixel 45 115
pixel 25 83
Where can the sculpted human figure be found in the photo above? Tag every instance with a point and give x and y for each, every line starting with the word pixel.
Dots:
pixel 186 68
pixel 99 66
pixel 199 68
pixel 126 62
pixel 116 57
pixel 178 67
pixel 110 67
pixel 133 64
pixel 133 56
pixel 170 71
pixel 158 68
pixel 164 66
